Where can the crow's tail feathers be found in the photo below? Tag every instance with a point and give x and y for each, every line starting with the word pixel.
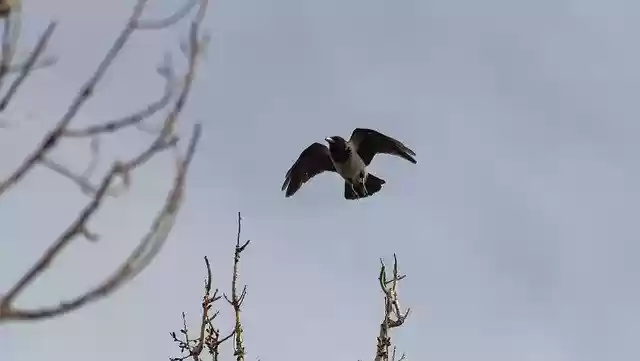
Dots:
pixel 355 191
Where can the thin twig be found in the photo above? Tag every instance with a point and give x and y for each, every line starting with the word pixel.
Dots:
pixel 113 126
pixel 152 242
pixel 236 300
pixel 169 20
pixel 25 71
pixel 208 337
pixel 41 63
pixel 135 263
pixel 52 137
pixel 8 46
pixel 83 182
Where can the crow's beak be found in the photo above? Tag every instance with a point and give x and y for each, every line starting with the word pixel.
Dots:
pixel 329 139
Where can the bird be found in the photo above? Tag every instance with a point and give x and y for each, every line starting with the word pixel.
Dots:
pixel 349 159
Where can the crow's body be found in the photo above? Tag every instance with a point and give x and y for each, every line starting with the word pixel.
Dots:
pixel 347 158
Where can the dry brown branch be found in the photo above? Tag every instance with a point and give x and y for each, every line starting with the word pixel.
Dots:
pixel 209 336
pixel 393 316
pixel 153 241
pixel 192 348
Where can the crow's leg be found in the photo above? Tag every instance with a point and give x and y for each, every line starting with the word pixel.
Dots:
pixel 353 188
pixel 363 181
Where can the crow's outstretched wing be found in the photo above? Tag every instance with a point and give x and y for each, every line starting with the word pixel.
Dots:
pixel 369 142
pixel 312 161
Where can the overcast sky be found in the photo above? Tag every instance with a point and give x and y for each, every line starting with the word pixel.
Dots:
pixel 518 227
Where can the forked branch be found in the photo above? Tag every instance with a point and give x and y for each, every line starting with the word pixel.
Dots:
pixel 236 300
pixel 210 336
pixel 393 315
pixel 152 242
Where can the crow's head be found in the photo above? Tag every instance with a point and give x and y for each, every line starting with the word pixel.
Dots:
pixel 338 148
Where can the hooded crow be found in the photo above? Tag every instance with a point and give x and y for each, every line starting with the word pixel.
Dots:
pixel 347 158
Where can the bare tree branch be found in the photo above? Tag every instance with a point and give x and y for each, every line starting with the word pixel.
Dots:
pixel 393 316
pixel 236 300
pixel 28 66
pixel 169 20
pixel 82 181
pixel 51 139
pixel 152 242
pixel 140 257
pixel 8 41
pixel 209 337
pixel 41 63
pixel 167 72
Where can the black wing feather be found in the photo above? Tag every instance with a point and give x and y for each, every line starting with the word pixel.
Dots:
pixel 369 142
pixel 312 161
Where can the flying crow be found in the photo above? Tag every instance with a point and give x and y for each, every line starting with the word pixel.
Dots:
pixel 347 158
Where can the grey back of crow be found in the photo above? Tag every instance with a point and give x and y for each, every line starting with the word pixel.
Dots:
pixel 347 158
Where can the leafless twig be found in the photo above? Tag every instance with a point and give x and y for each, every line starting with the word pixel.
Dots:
pixel 236 300
pixel 209 336
pixel 112 126
pixel 171 19
pixel 134 264
pixel 8 43
pixel 28 66
pixel 152 242
pixel 393 316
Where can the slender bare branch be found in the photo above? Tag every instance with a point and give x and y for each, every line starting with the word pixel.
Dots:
pixel 135 263
pixel 237 300
pixel 169 20
pixel 209 337
pixel 41 63
pixel 83 182
pixel 28 66
pixel 393 317
pixel 52 137
pixel 167 72
pixel 149 246
pixel 8 42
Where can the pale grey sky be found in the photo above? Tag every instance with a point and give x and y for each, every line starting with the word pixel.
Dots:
pixel 517 228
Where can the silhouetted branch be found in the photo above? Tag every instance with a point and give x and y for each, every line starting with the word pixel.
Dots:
pixel 208 336
pixel 393 316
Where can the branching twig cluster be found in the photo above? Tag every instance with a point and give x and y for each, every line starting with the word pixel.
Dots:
pixel 173 101
pixel 393 315
pixel 209 336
